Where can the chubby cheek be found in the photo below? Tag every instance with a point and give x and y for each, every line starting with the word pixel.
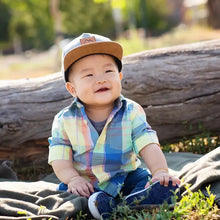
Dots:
pixel 84 94
pixel 119 87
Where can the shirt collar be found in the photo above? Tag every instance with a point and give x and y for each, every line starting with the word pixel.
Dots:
pixel 121 101
pixel 77 103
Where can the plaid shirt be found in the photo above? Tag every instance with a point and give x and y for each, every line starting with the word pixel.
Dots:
pixel 103 159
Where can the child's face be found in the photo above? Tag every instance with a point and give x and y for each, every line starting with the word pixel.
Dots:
pixel 95 80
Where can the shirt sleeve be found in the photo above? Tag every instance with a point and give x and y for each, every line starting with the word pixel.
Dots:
pixel 59 144
pixel 142 133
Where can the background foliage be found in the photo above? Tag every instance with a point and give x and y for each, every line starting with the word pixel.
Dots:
pixel 28 22
pixel 31 24
pixel 86 16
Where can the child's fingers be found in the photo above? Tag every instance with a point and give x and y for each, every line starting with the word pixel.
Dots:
pixel 148 184
pixel 175 181
pixel 81 190
pixel 84 191
pixel 164 180
pixel 73 191
pixel 90 186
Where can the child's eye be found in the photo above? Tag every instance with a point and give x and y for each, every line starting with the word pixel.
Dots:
pixel 88 75
pixel 109 71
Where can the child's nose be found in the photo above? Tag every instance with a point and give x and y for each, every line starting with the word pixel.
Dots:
pixel 101 81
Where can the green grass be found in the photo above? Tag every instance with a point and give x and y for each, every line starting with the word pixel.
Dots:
pixel 198 144
pixel 192 206
pixel 196 204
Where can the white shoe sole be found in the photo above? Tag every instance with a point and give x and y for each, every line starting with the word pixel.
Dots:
pixel 92 206
pixel 133 194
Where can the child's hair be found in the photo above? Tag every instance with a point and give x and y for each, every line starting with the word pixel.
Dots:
pixel 88 44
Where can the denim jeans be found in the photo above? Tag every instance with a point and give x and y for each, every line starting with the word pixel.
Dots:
pixel 135 181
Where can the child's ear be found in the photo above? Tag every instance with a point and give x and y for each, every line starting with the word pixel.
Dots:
pixel 120 75
pixel 71 89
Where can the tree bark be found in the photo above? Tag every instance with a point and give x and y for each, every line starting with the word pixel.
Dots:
pixel 178 87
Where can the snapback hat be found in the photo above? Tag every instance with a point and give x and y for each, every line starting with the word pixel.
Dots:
pixel 88 44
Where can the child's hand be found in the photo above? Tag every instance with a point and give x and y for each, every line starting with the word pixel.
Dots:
pixel 164 178
pixel 80 186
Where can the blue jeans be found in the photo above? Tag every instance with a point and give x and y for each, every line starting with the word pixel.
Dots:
pixel 134 182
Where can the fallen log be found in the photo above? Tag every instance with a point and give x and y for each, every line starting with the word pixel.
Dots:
pixel 178 87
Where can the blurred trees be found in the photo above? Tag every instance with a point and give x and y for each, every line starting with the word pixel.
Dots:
pixel 152 16
pixel 214 13
pixel 5 17
pixel 34 24
pixel 37 24
pixel 29 24
pixel 86 16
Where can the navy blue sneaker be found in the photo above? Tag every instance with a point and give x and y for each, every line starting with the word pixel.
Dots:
pixel 101 205
pixel 155 194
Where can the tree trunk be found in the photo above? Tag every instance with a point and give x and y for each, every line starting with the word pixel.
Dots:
pixel 179 88
pixel 214 13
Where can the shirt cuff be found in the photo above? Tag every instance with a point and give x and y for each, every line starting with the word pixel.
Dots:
pixel 59 152
pixel 145 140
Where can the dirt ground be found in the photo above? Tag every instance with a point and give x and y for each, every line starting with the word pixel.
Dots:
pixel 30 64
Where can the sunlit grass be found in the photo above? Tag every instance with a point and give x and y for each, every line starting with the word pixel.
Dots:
pixel 134 42
pixel 27 65
pixel 198 144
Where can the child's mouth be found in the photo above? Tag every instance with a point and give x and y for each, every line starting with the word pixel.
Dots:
pixel 102 89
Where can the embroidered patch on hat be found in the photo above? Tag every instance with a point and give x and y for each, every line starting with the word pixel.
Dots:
pixel 87 40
